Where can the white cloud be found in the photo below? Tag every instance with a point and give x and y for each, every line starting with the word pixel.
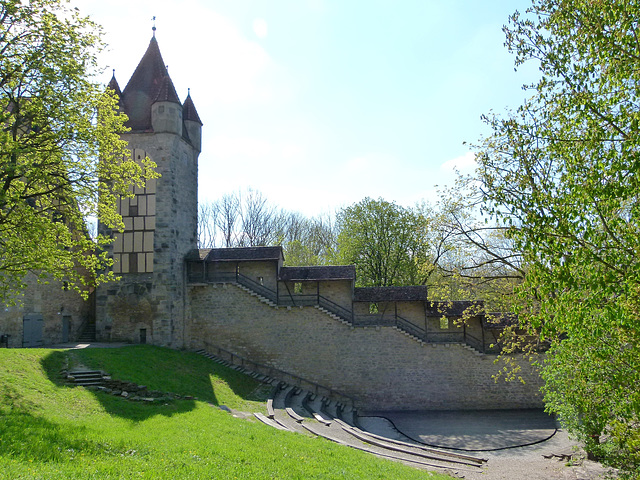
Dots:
pixel 260 28
pixel 463 163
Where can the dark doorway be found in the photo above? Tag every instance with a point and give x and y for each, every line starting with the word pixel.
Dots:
pixel 32 324
pixel 66 326
pixel 143 335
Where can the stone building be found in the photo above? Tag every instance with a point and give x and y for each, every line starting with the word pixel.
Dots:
pixel 376 347
pixel 148 303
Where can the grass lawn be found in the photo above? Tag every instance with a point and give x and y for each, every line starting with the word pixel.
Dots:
pixel 52 431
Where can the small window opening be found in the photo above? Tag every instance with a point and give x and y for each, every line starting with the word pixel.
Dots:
pixel 261 280
pixel 444 323
pixel 373 308
pixel 297 287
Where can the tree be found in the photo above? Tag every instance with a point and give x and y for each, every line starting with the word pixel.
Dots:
pixel 55 123
pixel 384 241
pixel 474 259
pixel 247 220
pixel 563 172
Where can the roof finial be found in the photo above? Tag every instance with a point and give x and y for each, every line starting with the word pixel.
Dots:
pixel 114 72
pixel 188 92
pixel 154 26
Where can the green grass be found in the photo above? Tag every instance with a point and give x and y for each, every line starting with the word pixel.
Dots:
pixel 52 431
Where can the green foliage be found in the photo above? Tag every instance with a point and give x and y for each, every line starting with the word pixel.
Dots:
pixel 49 430
pixel 564 173
pixel 385 242
pixel 50 142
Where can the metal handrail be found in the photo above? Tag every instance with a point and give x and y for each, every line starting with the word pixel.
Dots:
pixel 277 373
pixel 346 314
pixel 410 328
pixel 336 309
pixel 257 287
pixel 297 300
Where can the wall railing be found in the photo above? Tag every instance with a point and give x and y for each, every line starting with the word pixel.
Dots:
pixel 372 320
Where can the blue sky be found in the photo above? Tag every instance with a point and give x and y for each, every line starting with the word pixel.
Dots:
pixel 319 103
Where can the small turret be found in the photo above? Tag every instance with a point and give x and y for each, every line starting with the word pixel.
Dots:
pixel 166 111
pixel 113 85
pixel 192 122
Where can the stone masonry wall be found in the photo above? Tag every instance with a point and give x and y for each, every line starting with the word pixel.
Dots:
pixel 380 367
pixel 50 301
pixel 158 298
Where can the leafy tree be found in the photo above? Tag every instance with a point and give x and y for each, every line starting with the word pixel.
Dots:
pixel 563 172
pixel 51 137
pixel 384 241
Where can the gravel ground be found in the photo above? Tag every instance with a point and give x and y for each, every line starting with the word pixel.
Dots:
pixel 556 459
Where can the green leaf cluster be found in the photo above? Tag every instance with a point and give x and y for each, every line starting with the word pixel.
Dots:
pixel 61 157
pixel 385 242
pixel 563 172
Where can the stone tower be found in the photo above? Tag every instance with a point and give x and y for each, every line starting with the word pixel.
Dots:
pixel 147 305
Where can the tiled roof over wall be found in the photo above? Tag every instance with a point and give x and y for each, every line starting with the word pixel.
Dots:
pixel 340 272
pixel 390 294
pixel 235 254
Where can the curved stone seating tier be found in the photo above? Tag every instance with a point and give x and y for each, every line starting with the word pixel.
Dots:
pixel 279 395
pixel 269 421
pixel 313 413
pixel 294 409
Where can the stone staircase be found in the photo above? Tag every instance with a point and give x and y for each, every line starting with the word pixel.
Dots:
pixel 258 376
pixel 253 293
pixel 344 321
pixel 413 337
pixel 333 315
pixel 86 378
pixel 88 333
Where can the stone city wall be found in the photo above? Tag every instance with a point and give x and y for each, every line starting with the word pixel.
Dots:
pixel 380 367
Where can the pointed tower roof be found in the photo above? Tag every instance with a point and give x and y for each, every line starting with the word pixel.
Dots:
pixel 166 92
pixel 189 111
pixel 113 85
pixel 147 84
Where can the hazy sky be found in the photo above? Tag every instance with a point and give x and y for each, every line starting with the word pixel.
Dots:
pixel 319 103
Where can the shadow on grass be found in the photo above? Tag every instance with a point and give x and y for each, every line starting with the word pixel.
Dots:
pixel 28 437
pixel 157 368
